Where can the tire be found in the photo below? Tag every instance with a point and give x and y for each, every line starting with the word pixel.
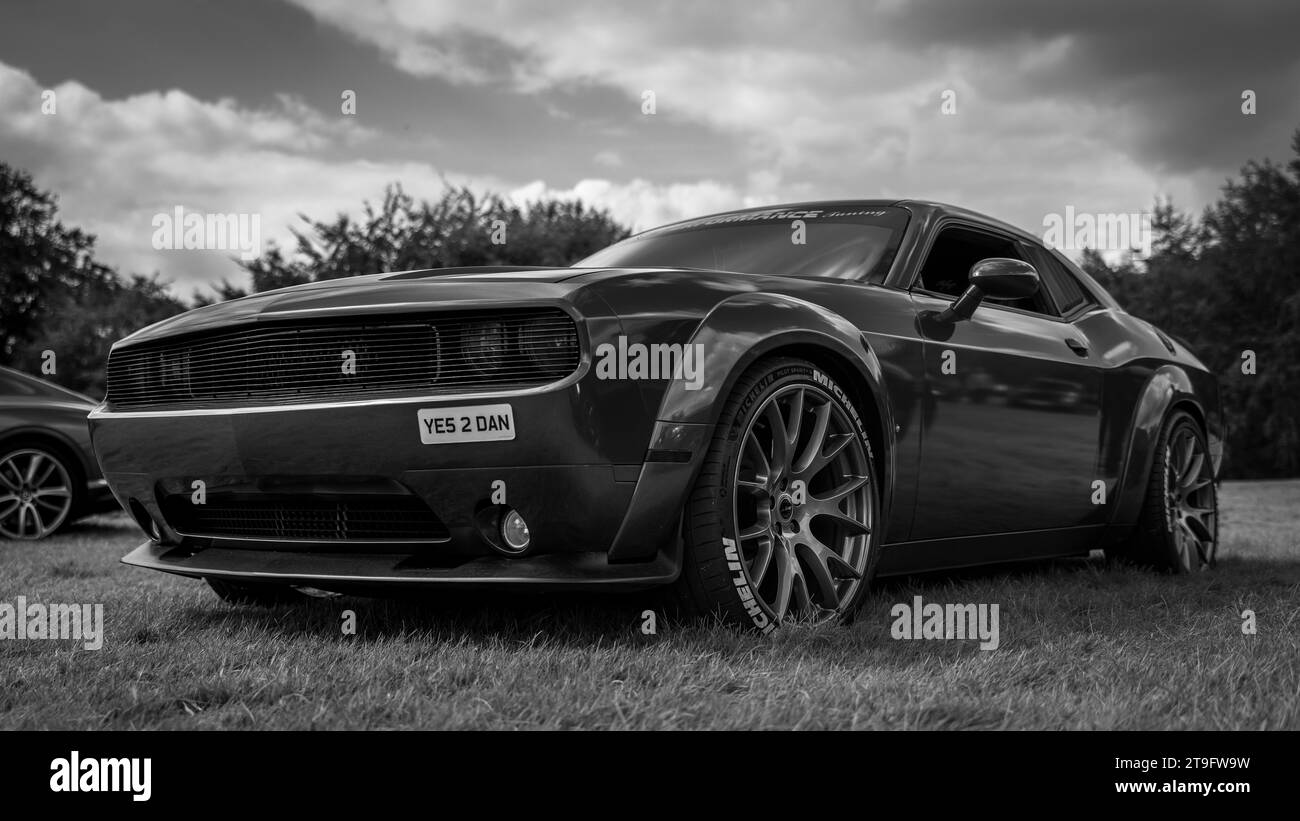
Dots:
pixel 1178 529
pixel 41 490
pixel 759 549
pixel 253 593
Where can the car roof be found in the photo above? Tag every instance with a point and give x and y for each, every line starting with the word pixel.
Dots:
pixel 946 209
pixel 47 389
pixel 927 211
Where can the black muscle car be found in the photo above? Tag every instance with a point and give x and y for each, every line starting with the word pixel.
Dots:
pixel 765 409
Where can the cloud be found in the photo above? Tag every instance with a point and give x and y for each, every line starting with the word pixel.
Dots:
pixel 844 99
pixel 1164 79
pixel 115 164
pixel 765 73
pixel 640 204
pixel 1100 108
pixel 1167 75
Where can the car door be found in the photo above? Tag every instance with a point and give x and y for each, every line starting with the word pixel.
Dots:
pixel 1011 430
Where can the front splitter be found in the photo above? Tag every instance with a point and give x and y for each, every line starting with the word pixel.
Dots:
pixel 570 571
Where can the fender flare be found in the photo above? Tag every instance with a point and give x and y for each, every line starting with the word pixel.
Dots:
pixel 738 332
pixel 1167 387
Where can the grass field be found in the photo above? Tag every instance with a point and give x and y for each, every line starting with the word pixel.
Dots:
pixel 1083 645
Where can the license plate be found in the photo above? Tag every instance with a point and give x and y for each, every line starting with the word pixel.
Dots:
pixel 472 423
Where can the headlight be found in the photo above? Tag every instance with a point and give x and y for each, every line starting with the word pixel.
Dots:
pixel 485 345
pixel 548 344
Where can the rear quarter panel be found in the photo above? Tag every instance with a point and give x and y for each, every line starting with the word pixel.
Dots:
pixel 1146 376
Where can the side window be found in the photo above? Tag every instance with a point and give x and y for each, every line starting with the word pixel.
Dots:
pixel 956 249
pixel 1066 290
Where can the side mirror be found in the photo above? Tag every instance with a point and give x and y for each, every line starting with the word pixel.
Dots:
pixel 996 277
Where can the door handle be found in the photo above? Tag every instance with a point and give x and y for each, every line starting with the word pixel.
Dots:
pixel 1077 346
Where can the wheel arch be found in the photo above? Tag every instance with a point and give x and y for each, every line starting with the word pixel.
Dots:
pixel 735 335
pixel 49 438
pixel 1168 389
pixel 842 370
pixel 1192 407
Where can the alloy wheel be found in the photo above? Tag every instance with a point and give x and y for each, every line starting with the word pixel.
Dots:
pixel 1192 505
pixel 35 494
pixel 803 505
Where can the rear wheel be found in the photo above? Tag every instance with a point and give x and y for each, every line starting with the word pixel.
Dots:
pixel 781 524
pixel 252 593
pixel 1179 526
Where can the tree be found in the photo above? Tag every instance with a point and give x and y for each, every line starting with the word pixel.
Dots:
pixel 1227 285
pixel 57 298
pixel 223 291
pixel 40 259
pixel 81 328
pixel 459 228
pixel 1252 260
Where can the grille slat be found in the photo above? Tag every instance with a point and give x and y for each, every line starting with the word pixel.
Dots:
pixel 307 518
pixel 461 352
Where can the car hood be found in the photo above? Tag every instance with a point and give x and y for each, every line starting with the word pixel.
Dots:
pixel 409 291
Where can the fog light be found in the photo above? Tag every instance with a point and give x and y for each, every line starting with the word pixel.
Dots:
pixel 514 531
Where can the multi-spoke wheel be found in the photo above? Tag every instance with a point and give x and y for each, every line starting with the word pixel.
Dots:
pixel 1179 530
pixel 781 524
pixel 37 493
pixel 1192 507
pixel 802 508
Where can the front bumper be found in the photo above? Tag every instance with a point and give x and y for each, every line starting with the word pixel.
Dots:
pixel 599 513
pixel 99 497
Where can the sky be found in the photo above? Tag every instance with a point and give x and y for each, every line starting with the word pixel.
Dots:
pixel 1017 108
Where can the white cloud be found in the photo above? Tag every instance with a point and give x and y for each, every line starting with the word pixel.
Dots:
pixel 816 102
pixel 114 164
pixel 816 99
pixel 640 204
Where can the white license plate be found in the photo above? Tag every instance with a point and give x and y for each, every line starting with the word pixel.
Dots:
pixel 472 423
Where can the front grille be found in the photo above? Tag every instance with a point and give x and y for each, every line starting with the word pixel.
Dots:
pixel 461 352
pixel 372 518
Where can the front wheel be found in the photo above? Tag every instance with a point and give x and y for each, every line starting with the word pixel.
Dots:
pixel 782 523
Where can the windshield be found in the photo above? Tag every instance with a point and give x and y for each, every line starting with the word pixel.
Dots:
pixel 841 243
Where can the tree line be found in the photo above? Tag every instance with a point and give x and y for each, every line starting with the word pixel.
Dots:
pixel 1226 282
